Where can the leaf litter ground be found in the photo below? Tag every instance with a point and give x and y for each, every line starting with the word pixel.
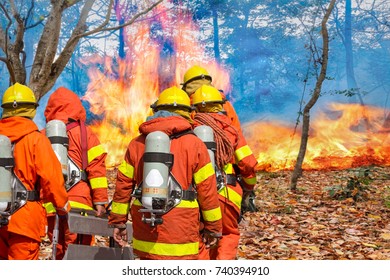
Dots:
pixel 308 224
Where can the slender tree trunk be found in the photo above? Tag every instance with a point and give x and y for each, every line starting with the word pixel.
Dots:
pixel 217 52
pixel 297 173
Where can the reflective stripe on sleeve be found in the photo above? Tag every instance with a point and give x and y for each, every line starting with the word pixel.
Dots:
pixel 250 181
pixel 120 208
pixel 242 152
pixel 94 152
pixel 165 249
pixel 99 182
pixel 204 173
pixel 231 195
pixel 212 215
pixel 126 169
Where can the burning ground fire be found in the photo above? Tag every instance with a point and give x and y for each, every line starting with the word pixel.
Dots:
pixel 346 136
pixel 121 91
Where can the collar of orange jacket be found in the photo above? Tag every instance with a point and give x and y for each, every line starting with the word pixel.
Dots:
pixel 16 127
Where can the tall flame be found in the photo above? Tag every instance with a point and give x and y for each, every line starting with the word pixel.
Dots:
pixel 158 53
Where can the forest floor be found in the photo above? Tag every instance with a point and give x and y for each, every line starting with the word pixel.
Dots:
pixel 332 215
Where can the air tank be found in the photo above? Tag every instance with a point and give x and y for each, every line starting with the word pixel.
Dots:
pixel 56 132
pixel 156 172
pixel 206 134
pixel 6 165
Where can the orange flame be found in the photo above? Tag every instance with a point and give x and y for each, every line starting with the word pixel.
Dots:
pixel 347 136
pixel 121 90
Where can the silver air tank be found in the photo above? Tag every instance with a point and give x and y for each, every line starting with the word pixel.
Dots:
pixel 206 134
pixel 6 165
pixel 56 132
pixel 155 174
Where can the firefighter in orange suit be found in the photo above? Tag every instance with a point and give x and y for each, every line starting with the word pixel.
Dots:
pixel 90 192
pixel 231 149
pixel 177 237
pixel 197 76
pixel 37 169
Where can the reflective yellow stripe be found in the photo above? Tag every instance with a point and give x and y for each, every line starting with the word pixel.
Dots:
pixel 49 207
pixel 126 169
pixel 99 183
pixel 232 196
pixel 164 249
pixel 120 208
pixel 212 215
pixel 203 173
pixel 137 202
pixel 228 168
pixel 94 152
pixel 188 204
pixel 250 181
pixel 74 204
pixel 182 204
pixel 242 152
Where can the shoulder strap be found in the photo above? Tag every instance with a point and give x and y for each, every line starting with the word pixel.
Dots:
pixel 84 144
pixel 182 133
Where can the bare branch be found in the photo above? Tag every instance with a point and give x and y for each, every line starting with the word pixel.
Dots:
pixel 10 69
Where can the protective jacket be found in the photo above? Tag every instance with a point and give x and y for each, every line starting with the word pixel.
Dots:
pixel 231 195
pixel 231 113
pixel 38 168
pixel 178 236
pixel 66 106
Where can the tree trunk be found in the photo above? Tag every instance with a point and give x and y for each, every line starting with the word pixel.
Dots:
pixel 297 172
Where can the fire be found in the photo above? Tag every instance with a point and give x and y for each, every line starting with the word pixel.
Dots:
pixel 346 136
pixel 158 53
pixel 160 50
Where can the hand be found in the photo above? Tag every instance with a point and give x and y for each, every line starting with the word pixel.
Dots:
pixel 210 239
pixel 100 210
pixel 248 202
pixel 120 236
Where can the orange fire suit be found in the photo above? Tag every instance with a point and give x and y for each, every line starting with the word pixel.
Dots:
pixel 178 236
pixel 231 113
pixel 230 197
pixel 38 168
pixel 66 106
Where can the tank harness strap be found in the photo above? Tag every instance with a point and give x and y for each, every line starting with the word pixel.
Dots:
pixel 182 133
pixel 231 179
pixel 7 162
pixel 33 195
pixel 211 146
pixel 189 195
pixel 167 159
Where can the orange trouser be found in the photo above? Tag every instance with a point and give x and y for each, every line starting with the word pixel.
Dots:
pixel 17 247
pixel 228 245
pixel 65 237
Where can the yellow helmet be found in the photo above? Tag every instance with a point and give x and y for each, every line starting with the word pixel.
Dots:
pixel 173 97
pixel 206 94
pixel 18 94
pixel 196 73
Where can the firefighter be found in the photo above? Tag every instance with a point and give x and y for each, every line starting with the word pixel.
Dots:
pixel 88 191
pixel 232 156
pixel 36 170
pixel 173 234
pixel 197 76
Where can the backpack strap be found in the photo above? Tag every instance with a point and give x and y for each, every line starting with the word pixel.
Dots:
pixel 182 133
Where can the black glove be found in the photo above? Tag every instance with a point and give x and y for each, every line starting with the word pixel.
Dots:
pixel 210 239
pixel 248 202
